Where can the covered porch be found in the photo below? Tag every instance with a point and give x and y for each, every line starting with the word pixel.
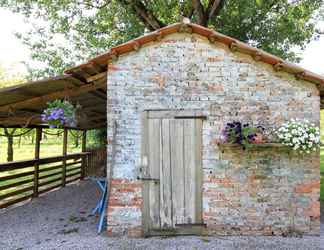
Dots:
pixel 21 107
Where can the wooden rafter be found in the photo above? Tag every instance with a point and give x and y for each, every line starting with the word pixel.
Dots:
pixel 96 77
pixel 73 91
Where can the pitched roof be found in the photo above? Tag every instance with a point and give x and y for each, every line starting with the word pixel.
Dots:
pixel 100 62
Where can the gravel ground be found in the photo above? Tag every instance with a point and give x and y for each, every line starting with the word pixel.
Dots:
pixel 61 220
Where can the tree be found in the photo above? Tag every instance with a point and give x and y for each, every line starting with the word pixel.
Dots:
pixel 72 31
pixel 321 15
pixel 7 79
pixel 9 135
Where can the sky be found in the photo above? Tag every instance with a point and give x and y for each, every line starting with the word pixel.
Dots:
pixel 13 52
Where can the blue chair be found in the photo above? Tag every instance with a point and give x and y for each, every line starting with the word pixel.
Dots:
pixel 102 203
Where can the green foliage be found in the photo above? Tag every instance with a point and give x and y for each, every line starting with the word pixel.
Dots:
pixel 96 138
pixel 274 26
pixel 59 113
pixel 8 78
pixel 70 31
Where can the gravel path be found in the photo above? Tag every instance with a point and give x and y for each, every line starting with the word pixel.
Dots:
pixel 61 220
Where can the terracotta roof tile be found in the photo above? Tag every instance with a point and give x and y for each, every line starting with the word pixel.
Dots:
pixel 213 36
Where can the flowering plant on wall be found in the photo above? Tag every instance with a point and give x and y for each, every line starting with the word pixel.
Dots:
pixel 242 134
pixel 300 135
pixel 59 113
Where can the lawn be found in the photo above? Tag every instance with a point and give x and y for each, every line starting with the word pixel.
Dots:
pixel 50 146
pixel 26 150
pixel 322 174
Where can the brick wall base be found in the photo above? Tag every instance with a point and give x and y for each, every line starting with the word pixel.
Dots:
pixel 124 215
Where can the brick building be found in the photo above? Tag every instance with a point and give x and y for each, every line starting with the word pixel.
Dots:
pixel 169 94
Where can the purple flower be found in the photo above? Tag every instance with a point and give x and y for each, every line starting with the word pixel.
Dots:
pixel 43 117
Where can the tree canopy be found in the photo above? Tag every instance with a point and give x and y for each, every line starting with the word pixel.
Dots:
pixel 8 78
pixel 70 31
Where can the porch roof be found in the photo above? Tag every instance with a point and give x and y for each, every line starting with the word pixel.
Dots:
pixel 21 105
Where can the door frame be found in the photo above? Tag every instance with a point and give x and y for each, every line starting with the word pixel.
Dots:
pixel 194 229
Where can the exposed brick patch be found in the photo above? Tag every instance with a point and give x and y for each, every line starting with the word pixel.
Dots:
pixel 215 88
pixel 215 59
pixel 112 67
pixel 124 206
pixel 169 41
pixel 308 187
pixel 313 210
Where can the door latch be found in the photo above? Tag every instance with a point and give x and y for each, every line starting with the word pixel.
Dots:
pixel 156 181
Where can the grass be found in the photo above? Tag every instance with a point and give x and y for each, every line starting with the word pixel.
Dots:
pixel 26 150
pixel 51 146
pixel 322 174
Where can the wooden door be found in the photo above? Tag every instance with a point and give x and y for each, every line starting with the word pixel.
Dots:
pixel 173 176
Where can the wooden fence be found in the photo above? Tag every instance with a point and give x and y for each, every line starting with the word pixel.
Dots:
pixel 96 162
pixel 22 180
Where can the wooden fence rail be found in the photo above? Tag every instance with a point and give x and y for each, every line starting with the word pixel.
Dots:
pixel 96 162
pixel 22 180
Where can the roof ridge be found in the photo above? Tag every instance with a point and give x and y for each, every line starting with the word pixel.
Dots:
pixel 213 36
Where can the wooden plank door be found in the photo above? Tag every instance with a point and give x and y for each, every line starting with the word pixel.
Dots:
pixel 173 183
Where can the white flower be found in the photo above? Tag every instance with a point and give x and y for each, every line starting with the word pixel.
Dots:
pixel 300 135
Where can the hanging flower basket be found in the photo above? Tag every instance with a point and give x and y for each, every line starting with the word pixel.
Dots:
pixel 60 113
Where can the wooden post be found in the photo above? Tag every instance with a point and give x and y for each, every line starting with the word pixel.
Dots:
pixel 84 158
pixel 65 142
pixel 36 166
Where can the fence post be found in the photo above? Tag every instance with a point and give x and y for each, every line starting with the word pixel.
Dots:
pixel 84 158
pixel 65 141
pixel 36 166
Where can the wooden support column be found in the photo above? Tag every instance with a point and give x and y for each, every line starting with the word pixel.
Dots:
pixel 65 142
pixel 36 166
pixel 84 158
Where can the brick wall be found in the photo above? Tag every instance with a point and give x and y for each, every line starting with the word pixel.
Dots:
pixel 258 192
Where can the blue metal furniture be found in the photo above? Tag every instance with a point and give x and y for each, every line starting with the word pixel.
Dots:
pixel 102 203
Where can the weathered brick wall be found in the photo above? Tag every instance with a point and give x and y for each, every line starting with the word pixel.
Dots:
pixel 259 192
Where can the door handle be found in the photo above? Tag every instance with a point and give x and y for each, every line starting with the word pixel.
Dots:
pixel 156 181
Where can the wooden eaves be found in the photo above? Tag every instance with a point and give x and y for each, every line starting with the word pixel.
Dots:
pixel 21 106
pixel 214 37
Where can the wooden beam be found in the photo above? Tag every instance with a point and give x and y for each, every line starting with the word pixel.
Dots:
pixel 84 159
pixel 96 126
pixel 21 120
pixel 65 142
pixel 96 77
pixel 74 91
pixel 97 67
pixel 98 95
pixel 36 166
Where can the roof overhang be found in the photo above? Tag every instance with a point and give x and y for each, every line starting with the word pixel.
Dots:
pixel 22 105
pixel 235 45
